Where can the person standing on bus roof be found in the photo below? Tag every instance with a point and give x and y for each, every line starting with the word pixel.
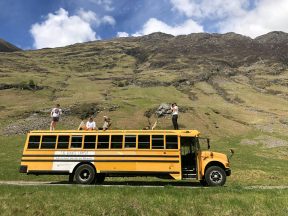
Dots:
pixel 174 109
pixel 91 124
pixel 55 115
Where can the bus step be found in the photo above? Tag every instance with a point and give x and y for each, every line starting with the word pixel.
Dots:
pixel 192 170
pixel 184 176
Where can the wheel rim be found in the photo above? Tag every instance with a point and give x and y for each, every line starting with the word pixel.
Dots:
pixel 85 175
pixel 216 177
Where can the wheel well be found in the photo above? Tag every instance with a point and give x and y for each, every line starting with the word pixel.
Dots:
pixel 214 163
pixel 81 163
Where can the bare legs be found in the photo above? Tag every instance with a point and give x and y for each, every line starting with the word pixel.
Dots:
pixel 52 125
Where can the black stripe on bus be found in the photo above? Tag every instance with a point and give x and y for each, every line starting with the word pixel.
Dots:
pixel 65 172
pixel 161 161
pixel 166 156
pixel 139 172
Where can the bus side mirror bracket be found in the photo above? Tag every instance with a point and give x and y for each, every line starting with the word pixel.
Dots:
pixel 208 142
pixel 231 154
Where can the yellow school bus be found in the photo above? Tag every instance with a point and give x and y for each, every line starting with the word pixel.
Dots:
pixel 89 156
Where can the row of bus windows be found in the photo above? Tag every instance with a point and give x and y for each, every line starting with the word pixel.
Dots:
pixel 103 141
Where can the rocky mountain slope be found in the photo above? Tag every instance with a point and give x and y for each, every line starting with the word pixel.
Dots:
pixel 7 47
pixel 225 85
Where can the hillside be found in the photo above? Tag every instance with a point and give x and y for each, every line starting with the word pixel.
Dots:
pixel 7 47
pixel 226 85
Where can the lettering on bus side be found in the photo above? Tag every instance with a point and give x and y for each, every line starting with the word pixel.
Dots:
pixel 74 155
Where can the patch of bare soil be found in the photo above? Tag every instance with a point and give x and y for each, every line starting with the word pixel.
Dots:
pixel 266 141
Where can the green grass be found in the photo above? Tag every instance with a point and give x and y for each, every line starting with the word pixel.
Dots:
pixel 95 200
pixel 248 168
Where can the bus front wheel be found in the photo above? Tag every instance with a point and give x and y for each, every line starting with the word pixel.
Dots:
pixel 215 176
pixel 85 174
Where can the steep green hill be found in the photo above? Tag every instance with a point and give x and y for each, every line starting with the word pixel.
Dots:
pixel 225 85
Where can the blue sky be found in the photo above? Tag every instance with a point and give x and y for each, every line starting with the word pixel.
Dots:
pixel 35 24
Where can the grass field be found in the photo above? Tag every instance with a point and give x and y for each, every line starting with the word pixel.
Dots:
pixel 249 168
pixel 89 200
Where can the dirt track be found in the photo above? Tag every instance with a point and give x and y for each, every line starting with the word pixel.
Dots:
pixel 129 184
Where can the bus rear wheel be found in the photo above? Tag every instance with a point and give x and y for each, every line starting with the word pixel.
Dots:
pixel 215 176
pixel 85 174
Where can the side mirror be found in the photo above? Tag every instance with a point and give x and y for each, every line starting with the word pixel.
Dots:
pixel 208 142
pixel 232 153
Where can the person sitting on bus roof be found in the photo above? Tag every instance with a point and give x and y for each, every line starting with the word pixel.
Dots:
pixel 82 126
pixel 91 124
pixel 107 123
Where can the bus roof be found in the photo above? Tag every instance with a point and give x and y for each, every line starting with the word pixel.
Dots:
pixel 175 132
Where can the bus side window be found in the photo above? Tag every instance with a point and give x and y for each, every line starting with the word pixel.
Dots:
pixel 130 141
pixel 48 142
pixel 63 142
pixel 34 142
pixel 144 142
pixel 171 142
pixel 157 142
pixel 89 142
pixel 116 141
pixel 103 142
pixel 76 142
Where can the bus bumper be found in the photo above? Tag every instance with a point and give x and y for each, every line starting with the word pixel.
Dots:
pixel 228 172
pixel 23 169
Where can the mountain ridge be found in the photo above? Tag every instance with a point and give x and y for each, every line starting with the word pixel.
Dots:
pixel 223 81
pixel 7 47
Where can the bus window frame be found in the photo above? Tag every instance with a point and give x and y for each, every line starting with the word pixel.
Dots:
pixel 110 141
pixel 70 141
pixel 150 146
pixel 92 142
pixel 97 141
pixel 178 142
pixel 136 142
pixel 31 149
pixel 151 143
pixel 48 149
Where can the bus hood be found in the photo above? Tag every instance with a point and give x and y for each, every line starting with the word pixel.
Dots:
pixel 215 156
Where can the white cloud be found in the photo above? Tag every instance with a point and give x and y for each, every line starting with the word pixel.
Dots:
pixel 211 9
pixel 122 34
pixel 267 16
pixel 88 16
pixel 237 15
pixel 155 25
pixel 109 20
pixel 106 4
pixel 60 29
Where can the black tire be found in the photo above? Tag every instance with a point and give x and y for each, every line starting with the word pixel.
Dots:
pixel 203 182
pixel 100 178
pixel 215 176
pixel 85 174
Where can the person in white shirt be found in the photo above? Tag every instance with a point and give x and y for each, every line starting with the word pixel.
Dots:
pixel 91 124
pixel 174 109
pixel 55 115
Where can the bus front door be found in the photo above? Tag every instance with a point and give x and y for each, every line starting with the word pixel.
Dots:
pixel 188 157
